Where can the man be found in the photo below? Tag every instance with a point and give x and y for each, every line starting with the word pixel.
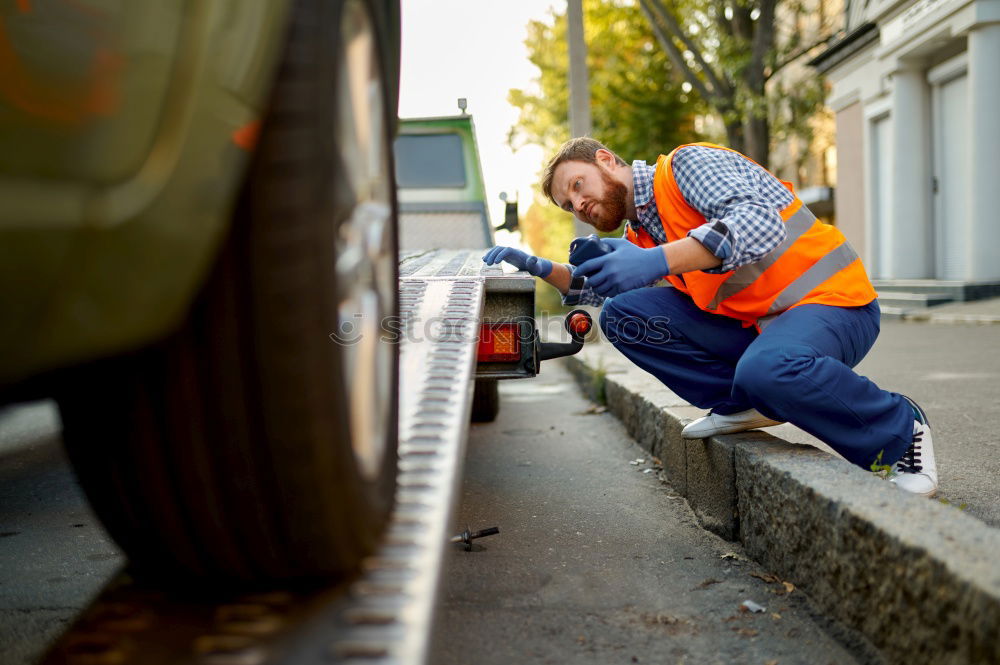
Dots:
pixel 770 309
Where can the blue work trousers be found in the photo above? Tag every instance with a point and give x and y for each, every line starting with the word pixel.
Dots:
pixel 799 369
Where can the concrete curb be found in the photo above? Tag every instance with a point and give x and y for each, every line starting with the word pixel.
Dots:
pixel 920 579
pixel 929 316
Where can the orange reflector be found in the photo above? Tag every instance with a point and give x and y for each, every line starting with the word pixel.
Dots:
pixel 499 342
pixel 246 136
pixel 580 323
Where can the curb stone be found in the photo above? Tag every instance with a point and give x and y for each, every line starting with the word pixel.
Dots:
pixel 930 316
pixel 920 579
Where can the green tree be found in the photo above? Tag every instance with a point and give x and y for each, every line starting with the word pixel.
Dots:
pixel 731 51
pixel 639 107
pixel 547 230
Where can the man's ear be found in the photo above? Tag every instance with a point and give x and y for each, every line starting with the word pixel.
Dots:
pixel 605 158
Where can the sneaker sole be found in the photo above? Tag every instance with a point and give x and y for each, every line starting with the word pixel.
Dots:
pixel 929 495
pixel 757 424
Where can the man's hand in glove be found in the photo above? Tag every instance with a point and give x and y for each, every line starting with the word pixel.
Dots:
pixel 627 267
pixel 520 260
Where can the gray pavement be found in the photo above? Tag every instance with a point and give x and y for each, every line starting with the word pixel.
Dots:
pixel 54 554
pixel 986 311
pixel 953 372
pixel 854 540
pixel 597 560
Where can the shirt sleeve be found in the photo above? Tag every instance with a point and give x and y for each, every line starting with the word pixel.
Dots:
pixel 579 293
pixel 739 199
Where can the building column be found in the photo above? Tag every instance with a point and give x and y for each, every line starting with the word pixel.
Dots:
pixel 909 230
pixel 984 152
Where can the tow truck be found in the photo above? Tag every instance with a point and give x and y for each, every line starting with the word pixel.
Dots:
pixel 444 225
pixel 265 404
pixel 459 320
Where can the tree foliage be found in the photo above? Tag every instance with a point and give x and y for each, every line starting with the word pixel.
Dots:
pixel 547 229
pixel 638 107
pixel 731 52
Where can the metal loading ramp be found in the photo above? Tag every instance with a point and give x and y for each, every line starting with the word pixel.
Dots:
pixel 383 617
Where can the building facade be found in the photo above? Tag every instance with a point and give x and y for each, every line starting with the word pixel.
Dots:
pixel 916 93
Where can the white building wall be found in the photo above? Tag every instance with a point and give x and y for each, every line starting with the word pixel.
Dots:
pixel 984 159
pixel 892 80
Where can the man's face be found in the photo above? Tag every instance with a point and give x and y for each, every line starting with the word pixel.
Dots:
pixel 590 193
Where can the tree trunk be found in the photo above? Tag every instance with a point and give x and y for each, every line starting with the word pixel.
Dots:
pixel 758 140
pixel 756 126
pixel 735 136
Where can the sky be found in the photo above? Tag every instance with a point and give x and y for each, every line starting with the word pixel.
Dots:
pixel 475 49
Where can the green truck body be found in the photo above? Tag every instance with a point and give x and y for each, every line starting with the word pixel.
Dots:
pixel 440 189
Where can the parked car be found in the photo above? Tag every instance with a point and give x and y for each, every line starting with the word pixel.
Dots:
pixel 193 198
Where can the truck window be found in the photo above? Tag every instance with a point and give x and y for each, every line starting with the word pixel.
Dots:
pixel 430 160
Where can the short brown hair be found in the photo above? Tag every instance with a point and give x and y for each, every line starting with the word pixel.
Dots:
pixel 580 149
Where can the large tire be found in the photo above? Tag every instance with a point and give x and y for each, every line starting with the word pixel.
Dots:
pixel 257 443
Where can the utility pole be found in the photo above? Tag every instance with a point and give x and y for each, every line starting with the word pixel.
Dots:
pixel 579 84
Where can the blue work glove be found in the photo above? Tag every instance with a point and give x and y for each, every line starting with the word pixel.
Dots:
pixel 627 267
pixel 520 260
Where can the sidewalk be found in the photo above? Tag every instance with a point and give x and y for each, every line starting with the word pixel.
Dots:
pixel 918 577
pixel 986 311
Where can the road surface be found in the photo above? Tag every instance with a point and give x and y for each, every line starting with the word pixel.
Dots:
pixel 599 561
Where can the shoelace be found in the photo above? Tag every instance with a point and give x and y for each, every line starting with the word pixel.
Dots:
pixel 910 461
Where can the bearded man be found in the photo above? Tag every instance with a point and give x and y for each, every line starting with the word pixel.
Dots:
pixel 766 310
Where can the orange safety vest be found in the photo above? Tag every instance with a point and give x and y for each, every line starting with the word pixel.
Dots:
pixel 814 263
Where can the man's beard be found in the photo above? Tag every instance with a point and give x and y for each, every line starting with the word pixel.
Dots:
pixel 612 205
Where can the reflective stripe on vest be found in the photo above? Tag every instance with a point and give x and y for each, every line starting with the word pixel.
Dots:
pixel 832 263
pixel 811 265
pixel 744 276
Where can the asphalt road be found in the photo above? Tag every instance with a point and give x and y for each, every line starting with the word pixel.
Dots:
pixel 599 561
pixel 54 554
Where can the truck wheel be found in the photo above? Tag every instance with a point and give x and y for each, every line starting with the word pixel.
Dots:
pixel 258 442
pixel 485 401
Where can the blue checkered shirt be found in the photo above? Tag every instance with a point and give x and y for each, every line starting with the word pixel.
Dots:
pixel 740 201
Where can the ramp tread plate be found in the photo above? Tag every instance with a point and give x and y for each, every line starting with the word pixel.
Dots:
pixel 385 615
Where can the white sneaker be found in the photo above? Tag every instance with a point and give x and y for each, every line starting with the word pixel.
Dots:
pixel 916 470
pixel 714 423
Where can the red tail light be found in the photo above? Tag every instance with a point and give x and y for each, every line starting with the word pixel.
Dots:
pixel 499 342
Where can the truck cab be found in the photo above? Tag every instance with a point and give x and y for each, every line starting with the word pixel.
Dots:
pixel 440 189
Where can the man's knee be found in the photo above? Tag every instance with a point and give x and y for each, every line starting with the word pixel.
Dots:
pixel 628 319
pixel 608 317
pixel 765 372
pixel 618 325
pixel 616 314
